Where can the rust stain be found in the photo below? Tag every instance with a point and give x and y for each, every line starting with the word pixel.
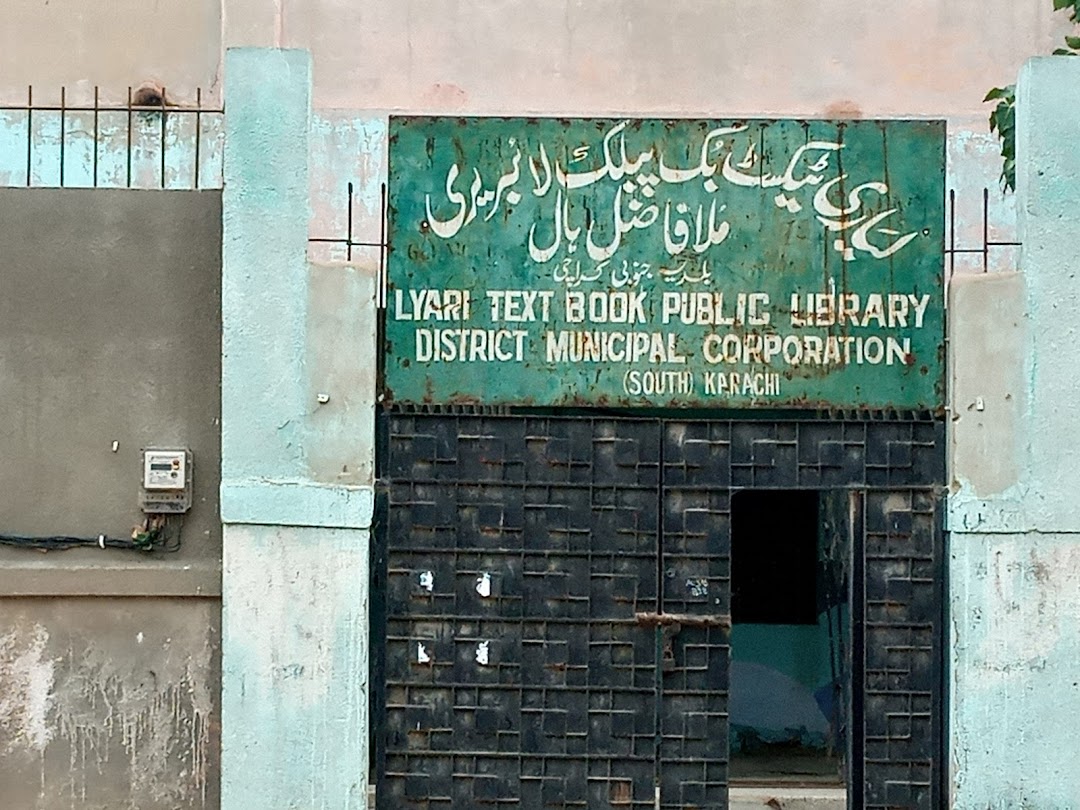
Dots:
pixel 843 109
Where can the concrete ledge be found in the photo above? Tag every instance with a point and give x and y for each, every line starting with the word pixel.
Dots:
pixel 296 503
pixel 787 798
pixel 148 577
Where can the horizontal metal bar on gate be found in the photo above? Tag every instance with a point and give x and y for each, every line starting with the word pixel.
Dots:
pixel 687 619
pixel 429 754
pixel 708 487
pixel 578 690
pixel 501 551
pixel 460 617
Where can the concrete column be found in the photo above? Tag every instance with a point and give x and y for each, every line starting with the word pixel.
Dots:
pixel 297 434
pixel 1048 192
pixel 1014 517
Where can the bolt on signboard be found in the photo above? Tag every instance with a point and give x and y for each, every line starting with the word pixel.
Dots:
pixel 666 263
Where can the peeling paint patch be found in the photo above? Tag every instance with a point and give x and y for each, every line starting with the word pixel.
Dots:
pixel 26 682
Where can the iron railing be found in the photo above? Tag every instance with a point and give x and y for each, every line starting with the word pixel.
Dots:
pixel 147 141
pixel 986 247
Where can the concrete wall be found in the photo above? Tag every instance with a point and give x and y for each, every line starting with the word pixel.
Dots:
pixel 109 703
pixel 109 332
pixel 820 58
pixel 50 149
pixel 1013 517
pixel 113 43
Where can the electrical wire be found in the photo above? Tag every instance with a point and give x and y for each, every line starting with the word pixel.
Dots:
pixel 157 534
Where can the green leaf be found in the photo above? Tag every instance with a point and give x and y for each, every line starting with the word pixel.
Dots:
pixel 1000 92
pixel 1008 174
pixel 1003 122
pixel 1063 52
pixel 1072 5
pixel 1073 42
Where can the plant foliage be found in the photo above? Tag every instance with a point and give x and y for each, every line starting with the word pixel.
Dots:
pixel 1003 117
pixel 1072 5
pixel 1003 122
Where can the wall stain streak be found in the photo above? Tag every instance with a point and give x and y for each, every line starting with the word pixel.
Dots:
pixel 109 704
pixel 161 718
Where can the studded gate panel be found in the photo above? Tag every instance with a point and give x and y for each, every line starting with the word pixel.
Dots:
pixel 533 570
pixel 901 662
pixel 516 672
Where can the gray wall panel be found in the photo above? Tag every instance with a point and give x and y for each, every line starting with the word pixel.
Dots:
pixel 109 704
pixel 109 331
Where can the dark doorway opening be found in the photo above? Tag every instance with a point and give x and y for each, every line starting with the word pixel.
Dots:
pixel 774 556
pixel 790 612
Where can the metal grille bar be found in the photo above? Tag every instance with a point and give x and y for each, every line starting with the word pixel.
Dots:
pixel 134 144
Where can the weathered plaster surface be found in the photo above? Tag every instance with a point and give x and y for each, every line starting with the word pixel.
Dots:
pixel 346 146
pixel 986 341
pixel 264 235
pixel 293 333
pixel 973 163
pixel 112 43
pixel 294 691
pixel 821 57
pixel 109 703
pixel 1015 683
pixel 341 350
pixel 296 503
pixel 27 675
pixel 1048 120
pixel 1014 518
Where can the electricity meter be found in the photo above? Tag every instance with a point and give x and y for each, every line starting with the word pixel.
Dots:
pixel 166 484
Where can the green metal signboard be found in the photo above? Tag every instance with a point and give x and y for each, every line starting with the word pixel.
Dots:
pixel 666 263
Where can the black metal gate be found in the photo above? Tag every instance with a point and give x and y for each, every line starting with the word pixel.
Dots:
pixel 554 594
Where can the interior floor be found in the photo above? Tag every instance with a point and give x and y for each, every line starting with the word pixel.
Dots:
pixel 797 766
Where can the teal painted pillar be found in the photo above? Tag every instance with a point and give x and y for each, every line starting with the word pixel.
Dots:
pixel 1015 518
pixel 296 497
pixel 1048 192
